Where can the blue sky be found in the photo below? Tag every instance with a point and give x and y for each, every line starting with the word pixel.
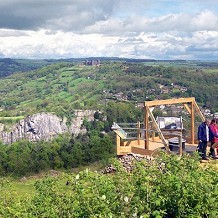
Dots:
pixel 160 29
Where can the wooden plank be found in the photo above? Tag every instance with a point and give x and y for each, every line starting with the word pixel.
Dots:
pixel 146 152
pixel 187 108
pixel 153 133
pixel 118 144
pixel 192 123
pixel 157 128
pixel 146 127
pixel 169 101
pixel 125 149
pixel 138 132
pixel 199 111
pixel 141 151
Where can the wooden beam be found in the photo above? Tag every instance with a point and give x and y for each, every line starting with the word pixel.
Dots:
pixel 153 133
pixel 187 108
pixel 199 111
pixel 192 123
pixel 158 129
pixel 169 101
pixel 146 128
pixel 118 144
pixel 138 132
pixel 141 151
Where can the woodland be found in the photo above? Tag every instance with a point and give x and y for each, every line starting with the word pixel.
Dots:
pixel 116 89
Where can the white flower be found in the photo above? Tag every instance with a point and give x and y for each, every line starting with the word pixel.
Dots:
pixel 103 197
pixel 126 199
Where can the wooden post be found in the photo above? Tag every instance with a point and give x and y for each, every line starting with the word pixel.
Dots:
pixel 146 128
pixel 118 143
pixel 180 144
pixel 153 133
pixel 138 132
pixel 192 123
pixel 158 129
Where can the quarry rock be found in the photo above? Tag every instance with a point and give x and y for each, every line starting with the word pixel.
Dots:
pixel 44 126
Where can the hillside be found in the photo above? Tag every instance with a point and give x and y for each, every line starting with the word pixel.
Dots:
pixel 9 66
pixel 63 87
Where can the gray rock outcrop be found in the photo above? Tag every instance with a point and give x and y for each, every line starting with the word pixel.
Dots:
pixel 44 126
pixel 79 116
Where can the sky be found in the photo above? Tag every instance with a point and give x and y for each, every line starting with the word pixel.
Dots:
pixel 145 29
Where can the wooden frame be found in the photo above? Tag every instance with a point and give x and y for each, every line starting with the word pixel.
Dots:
pixel 189 104
pixel 138 145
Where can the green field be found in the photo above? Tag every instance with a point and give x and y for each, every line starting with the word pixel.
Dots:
pixel 75 86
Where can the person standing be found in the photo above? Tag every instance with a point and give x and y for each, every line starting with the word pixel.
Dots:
pixel 204 137
pixel 217 131
pixel 214 143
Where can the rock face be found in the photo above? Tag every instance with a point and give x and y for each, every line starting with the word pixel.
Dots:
pixel 77 121
pixel 44 126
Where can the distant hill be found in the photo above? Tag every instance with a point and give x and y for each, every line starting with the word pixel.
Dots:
pixel 9 66
pixel 61 86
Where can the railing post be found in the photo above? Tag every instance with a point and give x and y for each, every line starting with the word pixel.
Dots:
pixel 138 132
pixel 167 147
pixel 146 127
pixel 153 133
pixel 118 140
pixel 180 144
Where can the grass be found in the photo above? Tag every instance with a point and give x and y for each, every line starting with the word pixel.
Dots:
pixel 211 70
pixel 12 118
pixel 24 187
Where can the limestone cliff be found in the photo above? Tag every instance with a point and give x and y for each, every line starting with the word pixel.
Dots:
pixel 44 126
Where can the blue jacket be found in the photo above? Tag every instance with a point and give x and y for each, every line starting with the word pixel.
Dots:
pixel 202 135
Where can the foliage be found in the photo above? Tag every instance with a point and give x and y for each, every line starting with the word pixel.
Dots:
pixel 9 66
pixel 168 186
pixel 123 113
pixel 73 85
pixel 64 152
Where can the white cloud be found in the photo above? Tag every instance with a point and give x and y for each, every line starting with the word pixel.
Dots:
pixel 41 45
pixel 38 44
pixel 133 28
pixel 205 20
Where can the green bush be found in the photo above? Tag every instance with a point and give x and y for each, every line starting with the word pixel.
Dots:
pixel 168 186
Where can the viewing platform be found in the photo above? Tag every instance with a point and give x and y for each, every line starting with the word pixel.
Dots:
pixel 160 133
pixel 138 147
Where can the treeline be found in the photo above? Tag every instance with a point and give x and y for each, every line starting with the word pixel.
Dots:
pixel 68 151
pixel 65 152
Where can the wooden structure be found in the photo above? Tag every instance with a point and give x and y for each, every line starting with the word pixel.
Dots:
pixel 146 145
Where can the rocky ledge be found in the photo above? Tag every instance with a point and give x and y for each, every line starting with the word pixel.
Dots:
pixel 44 126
